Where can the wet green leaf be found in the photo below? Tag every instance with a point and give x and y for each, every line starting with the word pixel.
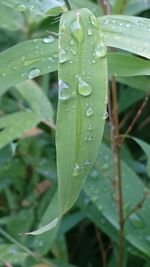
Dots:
pixel 81 102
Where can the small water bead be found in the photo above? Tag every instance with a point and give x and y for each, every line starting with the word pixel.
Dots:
pixel 84 88
pixel 76 29
pixel 137 221
pixel 21 8
pixel 90 127
pixel 49 39
pixel 34 73
pixel 105 115
pixel 94 21
pixel 63 56
pixel 94 173
pixel 89 112
pixel 64 90
pixel 71 42
pixel 127 25
pixel 76 170
pixel 90 32
pixel 101 50
pixel 3 74
pixel 74 52
pixel 87 162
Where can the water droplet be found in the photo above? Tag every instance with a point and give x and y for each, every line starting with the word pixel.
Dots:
pixel 87 162
pixel 93 61
pixel 73 52
pixel 127 25
pixel 71 42
pixel 76 29
pixel 84 88
pixel 90 127
pixel 34 73
pixel 49 39
pixel 106 100
pixel 64 90
pixel 101 50
pixel 76 170
pixel 90 32
pixel 21 8
pixel 94 21
pixel 105 115
pixel 63 57
pixel 137 221
pixel 89 112
pixel 94 173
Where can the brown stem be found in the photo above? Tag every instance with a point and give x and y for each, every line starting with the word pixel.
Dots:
pixel 135 118
pixel 102 249
pixel 117 170
pixel 105 6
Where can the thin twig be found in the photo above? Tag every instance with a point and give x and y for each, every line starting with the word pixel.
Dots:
pixel 117 170
pixel 135 118
pixel 102 249
pixel 138 205
pixel 105 6
pixel 68 4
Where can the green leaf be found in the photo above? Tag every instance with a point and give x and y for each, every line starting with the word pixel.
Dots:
pixel 15 125
pixel 139 83
pixel 37 100
pixel 10 19
pixel 37 7
pixel 100 190
pixel 136 6
pixel 26 60
pixel 128 33
pixel 122 64
pixel 81 102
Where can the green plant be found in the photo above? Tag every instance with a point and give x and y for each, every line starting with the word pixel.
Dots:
pixel 117 214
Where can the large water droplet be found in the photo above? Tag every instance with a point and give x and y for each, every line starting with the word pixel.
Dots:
pixel 34 73
pixel 137 221
pixel 84 88
pixel 49 39
pixel 76 170
pixel 63 57
pixel 101 50
pixel 76 29
pixel 89 112
pixel 64 90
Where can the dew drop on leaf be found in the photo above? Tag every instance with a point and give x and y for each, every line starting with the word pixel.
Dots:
pixel 94 21
pixel 21 8
pixel 63 57
pixel 105 115
pixel 90 32
pixel 137 221
pixel 89 112
pixel 49 39
pixel 34 73
pixel 76 29
pixel 84 88
pixel 64 90
pixel 76 170
pixel 100 50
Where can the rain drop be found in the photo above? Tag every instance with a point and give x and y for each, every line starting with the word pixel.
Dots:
pixel 89 112
pixel 101 50
pixel 76 29
pixel 90 32
pixel 64 90
pixel 63 57
pixel 76 170
pixel 137 221
pixel 94 21
pixel 34 73
pixel 84 88
pixel 49 39
pixel 105 115
pixel 21 8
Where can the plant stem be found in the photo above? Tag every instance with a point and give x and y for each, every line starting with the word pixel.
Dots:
pixel 117 170
pixel 102 249
pixel 68 4
pixel 105 6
